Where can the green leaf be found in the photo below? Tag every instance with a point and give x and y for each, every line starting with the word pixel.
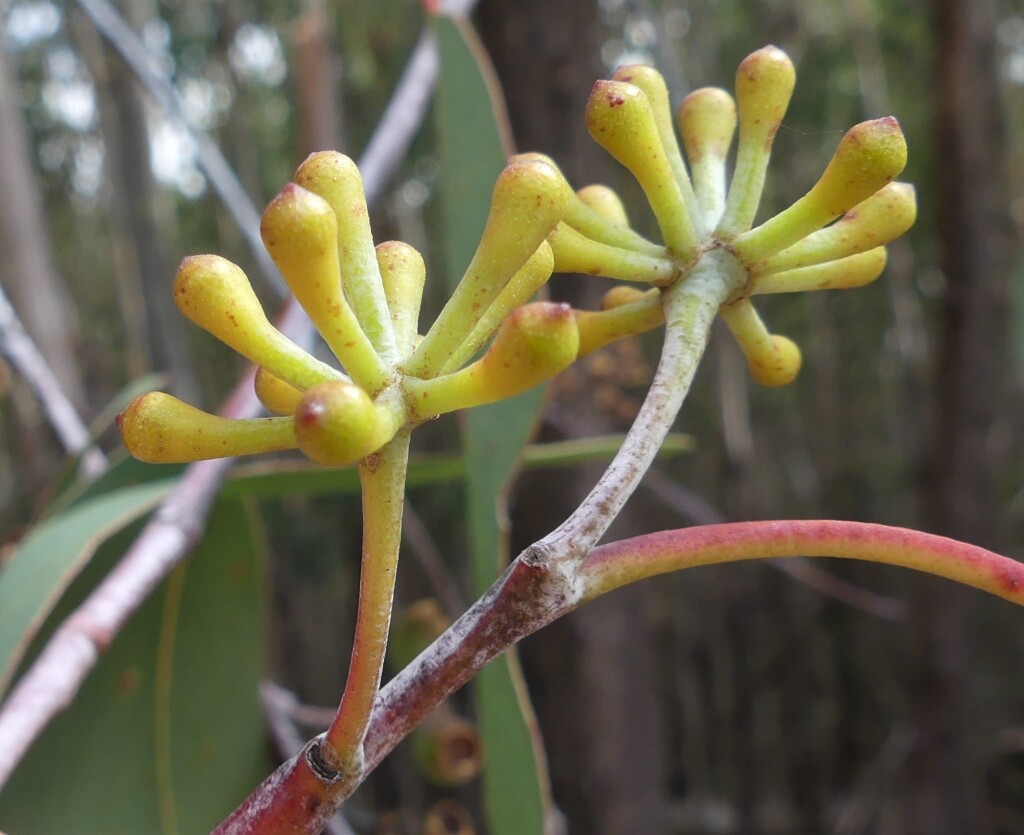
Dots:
pixel 56 550
pixel 70 485
pixel 166 734
pixel 270 478
pixel 52 555
pixel 473 150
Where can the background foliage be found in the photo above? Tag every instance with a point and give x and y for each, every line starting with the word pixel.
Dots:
pixel 732 699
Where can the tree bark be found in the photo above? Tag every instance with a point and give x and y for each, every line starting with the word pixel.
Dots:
pixel 946 794
pixel 36 289
pixel 155 327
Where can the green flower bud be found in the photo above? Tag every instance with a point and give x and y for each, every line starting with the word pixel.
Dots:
pixel 300 233
pixel 279 397
pixel 654 88
pixel 593 221
pixel 533 344
pixel 403 272
pixel 884 216
pixel 764 86
pixel 575 253
pixel 620 118
pixel 843 274
pixel 337 423
pixel 533 275
pixel 707 123
pixel 160 429
pixel 215 294
pixel 336 179
pixel 605 202
pixel 869 156
pixel 624 312
pixel 529 199
pixel 773 360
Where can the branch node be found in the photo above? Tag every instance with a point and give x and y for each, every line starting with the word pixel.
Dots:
pixel 319 765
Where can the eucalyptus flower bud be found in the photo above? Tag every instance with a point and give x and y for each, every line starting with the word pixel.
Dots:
pixel 883 217
pixel 279 397
pixel 337 423
pixel 300 232
pixel 707 123
pixel 869 156
pixel 529 199
pixel 534 343
pixel 336 179
pixel 605 202
pixel 215 294
pixel 764 86
pixel 620 118
pixel 160 429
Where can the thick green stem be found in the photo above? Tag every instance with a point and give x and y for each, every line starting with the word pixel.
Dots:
pixel 383 481
pixel 690 309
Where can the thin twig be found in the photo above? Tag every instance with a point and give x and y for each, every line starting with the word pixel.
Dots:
pixel 301 796
pixel 426 553
pixel 139 59
pixel 19 349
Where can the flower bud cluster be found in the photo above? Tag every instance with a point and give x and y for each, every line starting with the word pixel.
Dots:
pixel 364 300
pixel 365 303
pixel 831 238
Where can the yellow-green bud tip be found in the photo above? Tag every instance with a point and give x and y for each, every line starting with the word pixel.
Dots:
pixel 777 367
pixel 297 226
pixel 605 202
pixel 764 84
pixel 160 429
pixel 278 396
pixel 621 296
pixel 215 294
pixel 336 423
pixel 707 122
pixel 534 343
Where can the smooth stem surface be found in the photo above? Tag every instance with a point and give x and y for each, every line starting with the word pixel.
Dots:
pixel 529 596
pixel 620 563
pixel 383 484
pixel 690 309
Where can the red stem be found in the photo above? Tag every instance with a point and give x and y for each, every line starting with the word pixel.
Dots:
pixel 531 595
pixel 619 563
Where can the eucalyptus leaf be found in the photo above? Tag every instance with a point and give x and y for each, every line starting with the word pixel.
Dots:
pixel 472 138
pixel 166 734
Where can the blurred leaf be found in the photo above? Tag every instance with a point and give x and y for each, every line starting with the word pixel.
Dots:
pixel 268 478
pixel 69 485
pixel 105 419
pixel 124 471
pixel 166 734
pixel 474 146
pixel 56 550
pixel 52 555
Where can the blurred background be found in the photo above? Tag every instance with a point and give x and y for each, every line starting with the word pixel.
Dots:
pixel 738 699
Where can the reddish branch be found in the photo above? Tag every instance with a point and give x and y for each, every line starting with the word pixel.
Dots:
pixel 300 796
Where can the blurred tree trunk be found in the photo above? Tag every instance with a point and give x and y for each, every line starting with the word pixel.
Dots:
pixel 946 793
pixel 605 736
pixel 155 328
pixel 29 273
pixel 318 72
